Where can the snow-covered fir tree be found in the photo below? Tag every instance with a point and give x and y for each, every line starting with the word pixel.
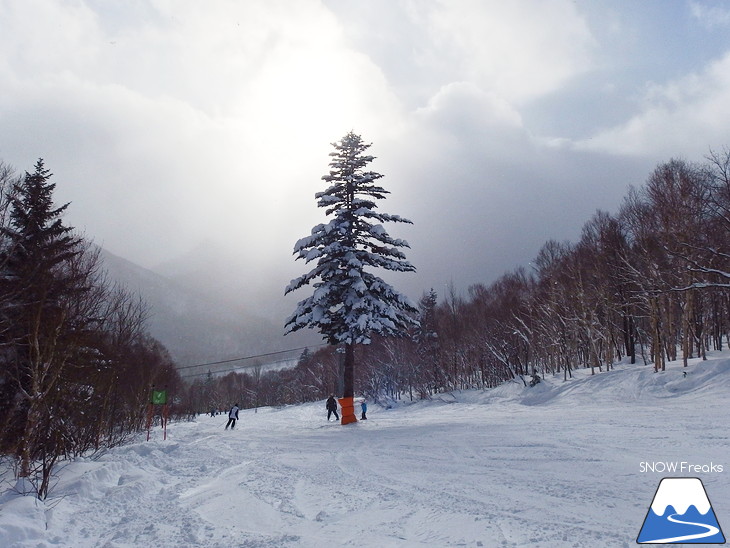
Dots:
pixel 350 303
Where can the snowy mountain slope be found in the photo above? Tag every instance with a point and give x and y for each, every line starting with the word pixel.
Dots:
pixel 194 326
pixel 559 465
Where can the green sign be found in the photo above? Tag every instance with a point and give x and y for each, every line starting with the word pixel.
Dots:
pixel 159 397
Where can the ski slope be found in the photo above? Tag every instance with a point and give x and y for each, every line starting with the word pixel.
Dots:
pixel 557 465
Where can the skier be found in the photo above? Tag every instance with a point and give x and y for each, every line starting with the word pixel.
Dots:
pixel 364 410
pixel 232 417
pixel 332 408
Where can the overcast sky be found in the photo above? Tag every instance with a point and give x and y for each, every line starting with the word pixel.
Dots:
pixel 171 124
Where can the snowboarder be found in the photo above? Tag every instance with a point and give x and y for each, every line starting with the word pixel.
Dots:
pixel 232 417
pixel 332 408
pixel 364 406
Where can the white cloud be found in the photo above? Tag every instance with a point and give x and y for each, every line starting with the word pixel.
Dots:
pixel 712 17
pixel 460 104
pixel 519 50
pixel 686 116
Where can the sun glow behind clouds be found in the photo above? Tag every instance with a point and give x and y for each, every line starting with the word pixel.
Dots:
pixel 311 90
pixel 316 95
pixel 229 107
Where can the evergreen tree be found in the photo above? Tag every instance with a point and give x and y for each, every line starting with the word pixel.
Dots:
pixel 36 248
pixel 349 303
pixel 427 341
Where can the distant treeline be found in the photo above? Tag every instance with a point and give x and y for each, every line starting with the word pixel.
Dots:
pixel 76 361
pixel 650 284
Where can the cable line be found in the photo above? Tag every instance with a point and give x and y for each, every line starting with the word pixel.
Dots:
pixel 250 357
pixel 233 369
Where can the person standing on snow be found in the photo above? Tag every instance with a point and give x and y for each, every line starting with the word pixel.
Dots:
pixel 232 417
pixel 364 406
pixel 332 408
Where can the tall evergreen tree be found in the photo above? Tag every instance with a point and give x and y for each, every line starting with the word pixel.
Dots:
pixel 350 304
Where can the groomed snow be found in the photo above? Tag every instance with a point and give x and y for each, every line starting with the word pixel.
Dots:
pixel 557 465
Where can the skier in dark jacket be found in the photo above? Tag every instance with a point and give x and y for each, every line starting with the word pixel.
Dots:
pixel 332 407
pixel 232 417
pixel 364 410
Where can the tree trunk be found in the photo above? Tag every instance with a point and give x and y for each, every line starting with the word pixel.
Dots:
pixel 349 372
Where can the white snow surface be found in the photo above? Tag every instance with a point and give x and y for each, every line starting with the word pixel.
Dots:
pixel 557 465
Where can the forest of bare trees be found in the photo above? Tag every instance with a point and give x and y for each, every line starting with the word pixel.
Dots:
pixel 647 285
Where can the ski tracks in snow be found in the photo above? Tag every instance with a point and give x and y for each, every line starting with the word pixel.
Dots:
pixel 497 475
pixel 146 494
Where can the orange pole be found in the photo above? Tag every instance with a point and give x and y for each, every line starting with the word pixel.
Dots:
pixel 348 410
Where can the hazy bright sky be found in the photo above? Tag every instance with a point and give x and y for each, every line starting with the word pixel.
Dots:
pixel 497 124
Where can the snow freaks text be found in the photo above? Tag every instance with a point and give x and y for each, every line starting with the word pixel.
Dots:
pixel 679 467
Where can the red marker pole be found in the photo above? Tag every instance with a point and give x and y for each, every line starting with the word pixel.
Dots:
pixel 150 412
pixel 164 421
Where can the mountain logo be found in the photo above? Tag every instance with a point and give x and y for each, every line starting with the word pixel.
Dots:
pixel 680 513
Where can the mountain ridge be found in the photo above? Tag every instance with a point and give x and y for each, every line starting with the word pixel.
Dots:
pixel 195 325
